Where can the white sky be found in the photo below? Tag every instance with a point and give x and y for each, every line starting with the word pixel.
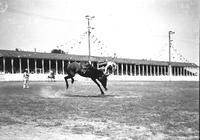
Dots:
pixel 130 28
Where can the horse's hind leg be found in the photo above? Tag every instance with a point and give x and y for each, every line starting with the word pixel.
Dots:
pixel 102 93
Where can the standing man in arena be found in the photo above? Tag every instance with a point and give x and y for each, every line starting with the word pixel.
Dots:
pixel 26 79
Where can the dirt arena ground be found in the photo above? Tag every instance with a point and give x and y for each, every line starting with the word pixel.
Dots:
pixel 129 110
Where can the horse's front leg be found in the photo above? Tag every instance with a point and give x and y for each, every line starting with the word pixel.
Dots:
pixel 102 93
pixel 66 77
pixel 72 80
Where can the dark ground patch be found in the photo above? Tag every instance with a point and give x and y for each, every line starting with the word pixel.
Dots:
pixel 129 110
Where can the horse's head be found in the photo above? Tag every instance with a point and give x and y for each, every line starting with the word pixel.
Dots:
pixel 103 80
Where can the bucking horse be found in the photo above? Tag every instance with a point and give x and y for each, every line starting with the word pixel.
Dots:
pixel 86 70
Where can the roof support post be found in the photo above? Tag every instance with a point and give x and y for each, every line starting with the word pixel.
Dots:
pixel 43 66
pixel 131 71
pixel 170 70
pixel 122 69
pixel 178 71
pixel 164 71
pixel 20 65
pixel 12 66
pixel 28 65
pixel 184 73
pixel 35 65
pixel 181 72
pixel 126 69
pixel 56 66
pixel 117 69
pixel 139 70
pixel 142 70
pixel 187 73
pixel 134 69
pixel 49 65
pixel 63 67
pixel 175 71
pixel 161 70
pixel 154 70
pixel 150 70
pixel 147 70
pixel 4 65
pixel 158 72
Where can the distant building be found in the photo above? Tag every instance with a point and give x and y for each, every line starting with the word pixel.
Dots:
pixel 15 62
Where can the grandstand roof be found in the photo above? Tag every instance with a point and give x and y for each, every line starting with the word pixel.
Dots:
pixel 72 57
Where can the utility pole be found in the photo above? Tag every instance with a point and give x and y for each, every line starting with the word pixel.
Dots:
pixel 88 19
pixel 170 66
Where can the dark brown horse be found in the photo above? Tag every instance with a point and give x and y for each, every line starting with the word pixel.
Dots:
pixel 86 70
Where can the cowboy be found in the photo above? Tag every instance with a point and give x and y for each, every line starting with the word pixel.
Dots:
pixel 110 67
pixel 103 66
pixel 26 79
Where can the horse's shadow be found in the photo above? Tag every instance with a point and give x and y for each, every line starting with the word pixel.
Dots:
pixel 88 96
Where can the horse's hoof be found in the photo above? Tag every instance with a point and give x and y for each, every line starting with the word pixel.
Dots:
pixel 101 95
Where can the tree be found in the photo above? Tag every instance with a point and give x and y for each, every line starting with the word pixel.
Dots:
pixel 16 49
pixel 59 51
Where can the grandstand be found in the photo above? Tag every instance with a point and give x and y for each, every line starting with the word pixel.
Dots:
pixel 13 63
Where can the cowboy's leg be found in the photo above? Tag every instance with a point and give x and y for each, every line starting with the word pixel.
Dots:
pixel 105 71
pixel 24 83
pixel 27 84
